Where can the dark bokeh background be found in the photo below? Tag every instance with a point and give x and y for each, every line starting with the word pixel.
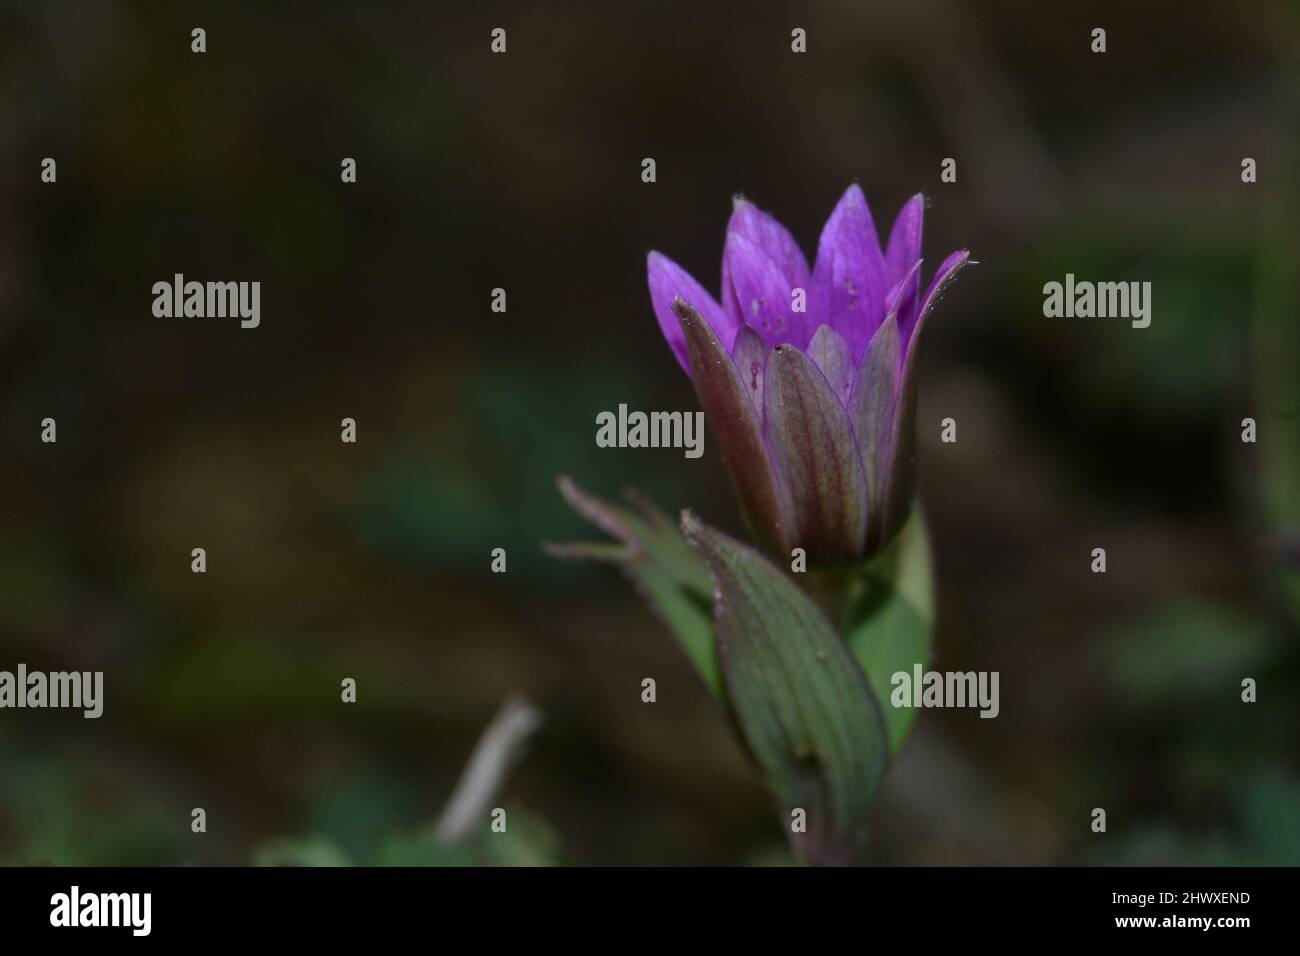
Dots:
pixel 523 171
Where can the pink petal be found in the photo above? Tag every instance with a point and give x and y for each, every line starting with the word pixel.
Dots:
pixel 668 281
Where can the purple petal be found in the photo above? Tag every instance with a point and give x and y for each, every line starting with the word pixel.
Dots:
pixel 724 395
pixel 749 355
pixel 831 353
pixel 812 443
pixel 775 240
pixel 902 465
pixel 946 272
pixel 904 250
pixel 900 302
pixel 668 281
pixel 763 294
pixel 871 409
pixel 850 271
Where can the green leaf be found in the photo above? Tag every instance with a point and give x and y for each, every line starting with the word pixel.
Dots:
pixel 661 565
pixel 891 619
pixel 799 699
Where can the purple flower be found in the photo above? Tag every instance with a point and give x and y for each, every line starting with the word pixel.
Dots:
pixel 809 376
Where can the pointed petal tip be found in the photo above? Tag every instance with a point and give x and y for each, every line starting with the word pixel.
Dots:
pixel 685 312
pixel 945 272
pixel 598 512
pixel 695 531
pixel 853 193
pixel 948 269
pixel 568 490
pixel 702 536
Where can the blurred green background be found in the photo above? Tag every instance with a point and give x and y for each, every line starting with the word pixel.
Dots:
pixel 522 171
